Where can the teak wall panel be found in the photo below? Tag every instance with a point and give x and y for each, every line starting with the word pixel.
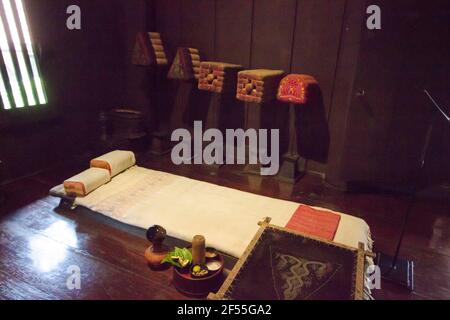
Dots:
pixel 273 27
pixel 343 89
pixel 293 35
pixel 234 31
pixel 167 16
pixel 316 50
pixel 198 26
pixel 136 94
pixel 323 38
pixel 369 119
pixel 317 37
pixel 388 125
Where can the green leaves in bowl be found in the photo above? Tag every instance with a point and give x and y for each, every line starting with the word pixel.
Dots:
pixel 180 258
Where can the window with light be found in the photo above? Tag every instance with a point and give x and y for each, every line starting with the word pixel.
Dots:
pixel 21 84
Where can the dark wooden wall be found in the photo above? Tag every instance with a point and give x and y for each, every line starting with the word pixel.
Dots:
pixel 84 71
pixel 386 127
pixel 297 36
pixel 328 39
pixel 89 70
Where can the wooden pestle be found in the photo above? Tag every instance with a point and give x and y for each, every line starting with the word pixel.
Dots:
pixel 198 250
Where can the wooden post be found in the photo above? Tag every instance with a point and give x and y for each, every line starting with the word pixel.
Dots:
pixel 293 166
pixel 253 120
pixel 213 119
pixel 181 104
pixel 161 139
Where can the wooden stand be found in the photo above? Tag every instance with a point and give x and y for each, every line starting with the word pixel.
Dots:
pixel 181 105
pixel 161 139
pixel 214 120
pixel 158 137
pixel 253 119
pixel 293 166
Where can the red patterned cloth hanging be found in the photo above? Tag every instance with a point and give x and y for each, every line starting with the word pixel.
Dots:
pixel 295 88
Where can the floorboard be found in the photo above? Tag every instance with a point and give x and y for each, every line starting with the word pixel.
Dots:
pixel 38 242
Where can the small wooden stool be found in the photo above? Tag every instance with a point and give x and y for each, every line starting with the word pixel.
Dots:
pixel 294 89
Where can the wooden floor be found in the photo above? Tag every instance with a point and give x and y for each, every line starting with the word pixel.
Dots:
pixel 38 243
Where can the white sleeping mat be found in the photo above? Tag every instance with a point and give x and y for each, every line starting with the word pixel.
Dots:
pixel 185 207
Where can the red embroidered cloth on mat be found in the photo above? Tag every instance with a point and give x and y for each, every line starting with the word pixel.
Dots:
pixel 313 222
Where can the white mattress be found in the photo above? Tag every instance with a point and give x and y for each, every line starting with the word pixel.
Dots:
pixel 185 207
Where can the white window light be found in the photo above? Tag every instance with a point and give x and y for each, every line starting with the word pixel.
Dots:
pixel 4 94
pixel 28 89
pixel 31 56
pixel 9 65
pixel 19 53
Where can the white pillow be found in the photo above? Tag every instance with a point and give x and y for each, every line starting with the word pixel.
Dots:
pixel 115 162
pixel 84 183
